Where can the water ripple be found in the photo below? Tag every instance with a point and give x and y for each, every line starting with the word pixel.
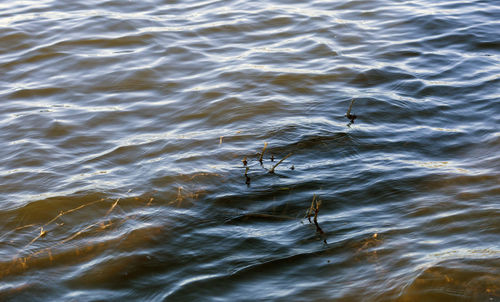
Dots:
pixel 132 134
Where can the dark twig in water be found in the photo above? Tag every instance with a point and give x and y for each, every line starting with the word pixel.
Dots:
pixel 274 167
pixel 247 178
pixel 311 209
pixel 350 116
pixel 244 161
pixel 314 208
pixel 272 157
pixel 262 154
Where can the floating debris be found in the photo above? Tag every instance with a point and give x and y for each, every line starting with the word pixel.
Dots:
pixel 220 140
pixel 350 116
pixel 292 167
pixel 244 160
pixel 274 167
pixel 272 157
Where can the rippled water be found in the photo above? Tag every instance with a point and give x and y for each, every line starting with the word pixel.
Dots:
pixel 124 127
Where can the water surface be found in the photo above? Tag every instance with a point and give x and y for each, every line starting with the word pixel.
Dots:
pixel 124 127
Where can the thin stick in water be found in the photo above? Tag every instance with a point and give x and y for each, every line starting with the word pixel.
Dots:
pixel 316 210
pixel 350 107
pixel 311 209
pixel 262 154
pixel 350 116
pixel 274 167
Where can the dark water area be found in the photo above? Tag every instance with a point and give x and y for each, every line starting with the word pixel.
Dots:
pixel 126 126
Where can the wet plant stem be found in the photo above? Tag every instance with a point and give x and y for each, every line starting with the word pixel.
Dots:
pixel 277 164
pixel 262 154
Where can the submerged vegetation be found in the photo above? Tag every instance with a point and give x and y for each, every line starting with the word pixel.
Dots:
pixel 27 257
pixel 32 253
pixel 313 211
pixel 55 239
pixel 261 161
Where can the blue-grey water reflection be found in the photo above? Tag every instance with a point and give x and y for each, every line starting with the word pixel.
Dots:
pixel 131 134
